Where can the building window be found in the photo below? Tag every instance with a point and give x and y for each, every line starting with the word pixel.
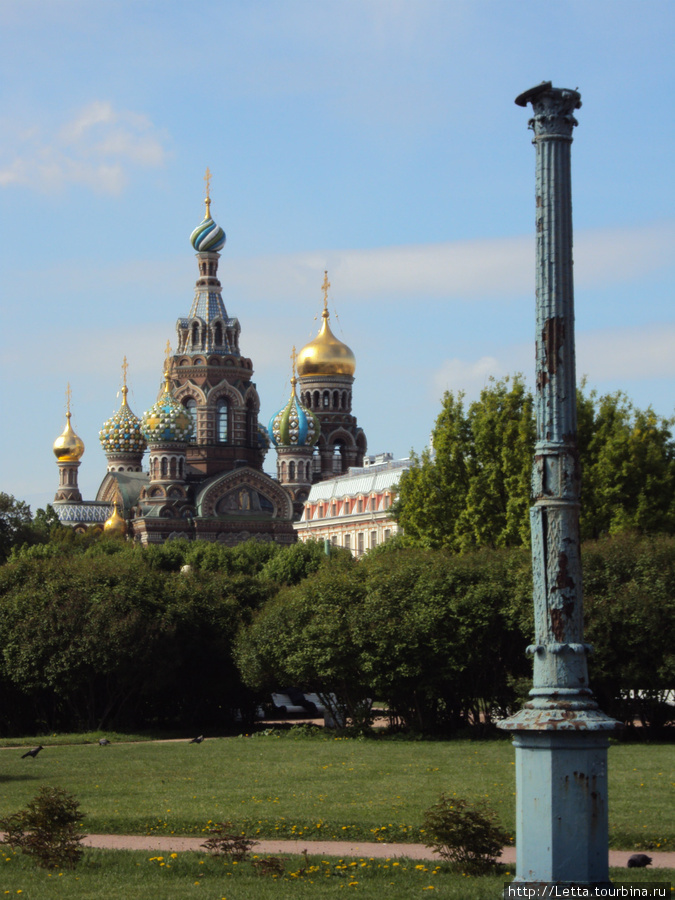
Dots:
pixel 333 508
pixel 360 543
pixel 359 504
pixel 334 540
pixel 387 501
pixel 191 409
pixel 347 542
pixel 387 534
pixel 373 539
pixel 221 421
pixel 373 503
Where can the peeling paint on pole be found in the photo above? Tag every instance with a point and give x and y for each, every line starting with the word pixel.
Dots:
pixel 560 734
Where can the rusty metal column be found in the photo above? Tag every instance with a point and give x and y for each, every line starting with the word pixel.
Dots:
pixel 560 734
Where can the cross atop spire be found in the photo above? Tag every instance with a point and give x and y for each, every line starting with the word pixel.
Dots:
pixel 207 199
pixel 324 288
pixel 68 396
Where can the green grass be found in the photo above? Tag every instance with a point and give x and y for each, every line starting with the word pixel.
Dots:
pixel 317 788
pixel 138 876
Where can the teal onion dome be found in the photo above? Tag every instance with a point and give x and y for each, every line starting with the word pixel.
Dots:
pixel 294 425
pixel 122 431
pixel 207 236
pixel 167 421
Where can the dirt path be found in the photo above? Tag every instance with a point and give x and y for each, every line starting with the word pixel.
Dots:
pixel 176 844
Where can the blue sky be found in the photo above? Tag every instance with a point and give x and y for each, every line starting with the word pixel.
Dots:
pixel 378 140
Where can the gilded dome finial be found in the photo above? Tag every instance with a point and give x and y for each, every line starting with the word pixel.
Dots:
pixel 324 288
pixel 207 199
pixel 125 389
pixel 294 357
pixel 167 367
pixel 68 446
pixel 325 355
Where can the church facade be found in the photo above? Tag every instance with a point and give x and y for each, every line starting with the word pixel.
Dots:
pixel 203 477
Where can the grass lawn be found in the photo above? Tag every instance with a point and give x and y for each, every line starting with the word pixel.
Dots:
pixel 317 788
pixel 138 876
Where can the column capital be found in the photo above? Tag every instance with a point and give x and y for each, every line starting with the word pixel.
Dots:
pixel 553 108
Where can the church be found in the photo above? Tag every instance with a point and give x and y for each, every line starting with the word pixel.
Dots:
pixel 205 446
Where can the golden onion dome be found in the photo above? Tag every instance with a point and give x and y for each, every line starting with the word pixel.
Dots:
pixel 326 355
pixel 115 524
pixel 68 447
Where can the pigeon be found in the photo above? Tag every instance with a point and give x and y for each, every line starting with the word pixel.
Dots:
pixel 197 740
pixel 104 742
pixel 639 861
pixel 33 753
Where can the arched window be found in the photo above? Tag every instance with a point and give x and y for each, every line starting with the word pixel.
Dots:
pixel 218 334
pixel 326 399
pixel 221 421
pixel 195 335
pixel 291 471
pixel 165 467
pixel 191 408
pixel 283 471
pixel 316 400
pixel 336 399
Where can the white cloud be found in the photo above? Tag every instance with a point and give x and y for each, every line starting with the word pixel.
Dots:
pixel 97 147
pixel 463 270
pixel 627 353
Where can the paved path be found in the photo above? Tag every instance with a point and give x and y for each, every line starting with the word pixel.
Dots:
pixel 175 843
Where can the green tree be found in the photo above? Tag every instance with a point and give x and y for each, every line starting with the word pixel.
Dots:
pixel 627 467
pixel 473 489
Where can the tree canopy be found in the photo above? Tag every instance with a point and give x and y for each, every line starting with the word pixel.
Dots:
pixel 473 487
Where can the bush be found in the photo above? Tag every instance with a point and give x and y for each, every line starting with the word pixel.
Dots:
pixel 467 835
pixel 47 829
pixel 225 841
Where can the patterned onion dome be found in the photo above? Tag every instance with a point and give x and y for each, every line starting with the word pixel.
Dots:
pixel 326 355
pixel 207 236
pixel 167 420
pixel 263 438
pixel 68 447
pixel 122 432
pixel 294 425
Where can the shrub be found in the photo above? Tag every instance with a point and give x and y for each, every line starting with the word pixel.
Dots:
pixel 224 841
pixel 467 835
pixel 47 829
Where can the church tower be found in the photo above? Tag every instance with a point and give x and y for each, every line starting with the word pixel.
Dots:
pixel 208 373
pixel 326 372
pixel 68 450
pixel 294 431
pixel 121 437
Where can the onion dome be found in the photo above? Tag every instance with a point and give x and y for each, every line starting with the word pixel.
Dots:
pixel 294 425
pixel 207 236
pixel 115 524
pixel 122 431
pixel 167 421
pixel 262 438
pixel 326 355
pixel 68 447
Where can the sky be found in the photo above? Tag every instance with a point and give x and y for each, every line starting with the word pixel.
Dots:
pixel 374 139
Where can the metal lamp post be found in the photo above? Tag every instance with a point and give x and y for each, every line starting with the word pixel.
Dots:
pixel 560 735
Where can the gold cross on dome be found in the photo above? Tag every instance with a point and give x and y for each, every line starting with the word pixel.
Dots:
pixel 125 367
pixel 207 199
pixel 68 396
pixel 294 356
pixel 324 288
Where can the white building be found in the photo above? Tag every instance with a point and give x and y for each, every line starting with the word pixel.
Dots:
pixel 353 510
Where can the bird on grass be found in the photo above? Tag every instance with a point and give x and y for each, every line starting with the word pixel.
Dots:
pixel 104 742
pixel 33 753
pixel 639 861
pixel 197 740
